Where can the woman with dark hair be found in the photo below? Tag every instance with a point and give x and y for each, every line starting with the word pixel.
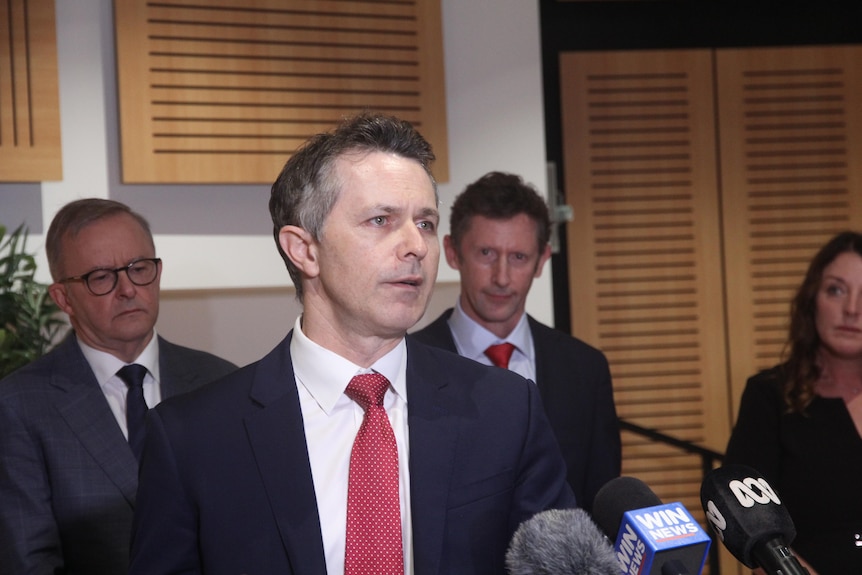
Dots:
pixel 800 423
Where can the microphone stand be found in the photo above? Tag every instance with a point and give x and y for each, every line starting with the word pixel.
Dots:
pixel 777 559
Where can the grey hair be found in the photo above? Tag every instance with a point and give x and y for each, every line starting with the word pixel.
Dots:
pixel 77 215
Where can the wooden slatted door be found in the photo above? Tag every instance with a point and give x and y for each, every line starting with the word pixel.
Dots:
pixel 223 91
pixel 702 183
pixel 644 263
pixel 791 136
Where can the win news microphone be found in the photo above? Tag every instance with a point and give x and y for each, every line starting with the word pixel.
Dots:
pixel 749 518
pixel 651 538
pixel 560 542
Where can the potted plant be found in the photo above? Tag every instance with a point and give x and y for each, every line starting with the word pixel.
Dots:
pixel 29 321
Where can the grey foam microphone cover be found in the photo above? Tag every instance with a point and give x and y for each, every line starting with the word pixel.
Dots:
pixel 561 542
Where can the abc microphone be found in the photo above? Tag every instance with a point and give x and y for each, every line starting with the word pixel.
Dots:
pixel 651 538
pixel 560 542
pixel 749 518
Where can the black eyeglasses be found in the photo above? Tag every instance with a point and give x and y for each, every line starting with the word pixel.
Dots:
pixel 141 272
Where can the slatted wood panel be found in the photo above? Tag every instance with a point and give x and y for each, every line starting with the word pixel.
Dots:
pixel 683 272
pixel 29 99
pixel 645 267
pixel 224 91
pixel 791 146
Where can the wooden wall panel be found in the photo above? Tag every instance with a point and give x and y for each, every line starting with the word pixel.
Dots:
pixel 29 99
pixel 221 91
pixel 702 183
pixel 644 263
pixel 791 143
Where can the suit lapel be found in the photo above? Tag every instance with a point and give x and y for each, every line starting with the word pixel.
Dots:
pixel 546 355
pixel 433 436
pixel 177 374
pixel 439 334
pixel 85 409
pixel 277 438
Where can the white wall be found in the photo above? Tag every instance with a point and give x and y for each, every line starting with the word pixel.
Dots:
pixel 228 293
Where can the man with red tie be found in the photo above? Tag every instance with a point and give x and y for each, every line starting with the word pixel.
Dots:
pixel 499 242
pixel 349 449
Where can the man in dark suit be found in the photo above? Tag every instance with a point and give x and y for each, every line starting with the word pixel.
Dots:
pixel 68 475
pixel 262 472
pixel 499 242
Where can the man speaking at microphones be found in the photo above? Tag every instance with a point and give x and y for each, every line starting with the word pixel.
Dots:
pixel 651 538
pixel 748 517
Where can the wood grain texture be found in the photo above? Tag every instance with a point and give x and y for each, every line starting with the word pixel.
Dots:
pixel 30 147
pixel 639 134
pixel 791 178
pixel 703 181
pixel 222 91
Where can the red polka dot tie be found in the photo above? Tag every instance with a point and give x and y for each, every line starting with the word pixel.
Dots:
pixel 500 354
pixel 373 545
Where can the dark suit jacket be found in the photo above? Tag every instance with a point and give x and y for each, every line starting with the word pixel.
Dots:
pixel 67 474
pixel 575 384
pixel 226 484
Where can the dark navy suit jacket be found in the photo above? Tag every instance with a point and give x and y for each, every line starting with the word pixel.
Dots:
pixel 67 474
pixel 575 384
pixel 226 484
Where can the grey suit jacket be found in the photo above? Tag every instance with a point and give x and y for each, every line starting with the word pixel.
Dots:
pixel 67 475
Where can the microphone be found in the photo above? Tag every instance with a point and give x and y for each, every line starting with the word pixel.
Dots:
pixel 749 518
pixel 560 542
pixel 651 538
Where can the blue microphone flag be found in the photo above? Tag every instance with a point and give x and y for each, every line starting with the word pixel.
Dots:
pixel 651 537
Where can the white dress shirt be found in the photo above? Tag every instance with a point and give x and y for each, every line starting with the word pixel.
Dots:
pixel 331 421
pixel 105 366
pixel 472 339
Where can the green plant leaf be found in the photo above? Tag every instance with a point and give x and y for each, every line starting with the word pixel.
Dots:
pixel 29 319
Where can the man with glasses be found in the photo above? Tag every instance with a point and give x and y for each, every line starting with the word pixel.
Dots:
pixel 71 422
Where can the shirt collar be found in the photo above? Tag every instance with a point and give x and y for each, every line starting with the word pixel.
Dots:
pixel 105 366
pixel 325 374
pixel 472 338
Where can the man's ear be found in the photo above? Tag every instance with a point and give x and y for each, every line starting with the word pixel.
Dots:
pixel 57 291
pixel 451 252
pixel 543 257
pixel 301 248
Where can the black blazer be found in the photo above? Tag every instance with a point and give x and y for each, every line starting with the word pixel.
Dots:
pixel 67 475
pixel 226 484
pixel 575 384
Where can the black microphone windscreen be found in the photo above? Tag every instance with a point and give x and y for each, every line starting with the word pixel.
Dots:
pixel 617 496
pixel 560 542
pixel 744 510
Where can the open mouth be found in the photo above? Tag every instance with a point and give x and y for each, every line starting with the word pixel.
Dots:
pixel 412 282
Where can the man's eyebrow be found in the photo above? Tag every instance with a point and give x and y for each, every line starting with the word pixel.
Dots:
pixel 429 213
pixel 423 213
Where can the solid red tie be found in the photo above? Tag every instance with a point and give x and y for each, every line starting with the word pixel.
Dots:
pixel 373 544
pixel 500 354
